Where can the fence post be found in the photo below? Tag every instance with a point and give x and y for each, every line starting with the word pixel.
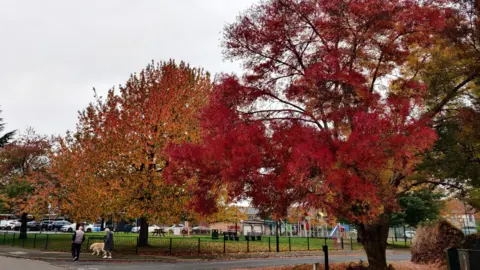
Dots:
pixel 325 252
pixel 248 245
pixel 13 240
pixel 269 247
pixel 224 245
pixel 308 244
pixel 289 244
pixel 136 246
pixel 170 246
pixel 46 242
pixel 199 245
pixel 341 242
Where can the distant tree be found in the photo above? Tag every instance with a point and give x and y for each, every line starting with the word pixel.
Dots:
pixel 416 207
pixel 5 138
pixel 23 163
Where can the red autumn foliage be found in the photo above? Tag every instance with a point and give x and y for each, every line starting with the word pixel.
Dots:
pixel 318 119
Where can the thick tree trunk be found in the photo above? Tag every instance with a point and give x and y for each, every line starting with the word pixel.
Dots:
pixel 23 227
pixel 374 240
pixel 143 236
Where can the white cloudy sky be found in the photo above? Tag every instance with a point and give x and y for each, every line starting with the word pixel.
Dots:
pixel 52 53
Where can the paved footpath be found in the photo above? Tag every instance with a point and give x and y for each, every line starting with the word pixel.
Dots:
pixel 16 259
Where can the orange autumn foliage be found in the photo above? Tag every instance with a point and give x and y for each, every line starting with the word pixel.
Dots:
pixel 111 165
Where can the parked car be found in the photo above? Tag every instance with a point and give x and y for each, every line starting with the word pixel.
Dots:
pixel 57 225
pixel 201 230
pixel 3 224
pixel 151 229
pixel 11 224
pixel 45 225
pixel 93 228
pixel 34 225
pixel 126 228
pixel 69 228
pixel 408 234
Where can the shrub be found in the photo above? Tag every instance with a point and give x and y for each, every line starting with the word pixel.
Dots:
pixel 432 239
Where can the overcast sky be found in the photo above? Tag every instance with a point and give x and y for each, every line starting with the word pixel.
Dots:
pixel 52 53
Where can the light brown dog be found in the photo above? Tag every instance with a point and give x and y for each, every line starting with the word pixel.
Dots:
pixel 97 248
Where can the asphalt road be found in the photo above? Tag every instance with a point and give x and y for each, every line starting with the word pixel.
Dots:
pixel 20 264
pixel 231 264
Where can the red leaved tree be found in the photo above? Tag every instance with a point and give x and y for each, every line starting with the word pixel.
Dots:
pixel 323 117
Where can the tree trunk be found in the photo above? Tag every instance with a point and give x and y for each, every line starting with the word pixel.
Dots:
pixel 143 236
pixel 102 224
pixel 23 227
pixel 374 240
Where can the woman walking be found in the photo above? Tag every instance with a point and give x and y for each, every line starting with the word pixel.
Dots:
pixel 108 244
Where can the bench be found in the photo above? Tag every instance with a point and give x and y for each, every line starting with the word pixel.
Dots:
pixel 157 232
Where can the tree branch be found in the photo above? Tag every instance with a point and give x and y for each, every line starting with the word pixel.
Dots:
pixel 451 94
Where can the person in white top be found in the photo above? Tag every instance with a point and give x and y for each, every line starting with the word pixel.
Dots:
pixel 78 238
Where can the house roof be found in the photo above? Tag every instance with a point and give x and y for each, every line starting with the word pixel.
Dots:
pixel 252 211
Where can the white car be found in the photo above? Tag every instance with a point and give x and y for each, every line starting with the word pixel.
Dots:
pixel 93 228
pixel 151 229
pixel 69 228
pixel 11 224
pixel 409 234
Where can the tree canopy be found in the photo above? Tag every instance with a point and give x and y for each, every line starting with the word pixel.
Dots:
pixel 331 113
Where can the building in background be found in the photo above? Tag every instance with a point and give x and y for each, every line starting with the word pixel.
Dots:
pixel 461 216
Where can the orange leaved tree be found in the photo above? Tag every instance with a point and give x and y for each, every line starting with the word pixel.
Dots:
pixel 111 166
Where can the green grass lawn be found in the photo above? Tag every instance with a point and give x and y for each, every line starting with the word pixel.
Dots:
pixel 399 243
pixel 203 244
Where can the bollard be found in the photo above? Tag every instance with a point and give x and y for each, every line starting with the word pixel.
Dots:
pixel 308 244
pixel 4 237
pixel 248 245
pixel 278 243
pixel 316 266
pixel 198 245
pixel 289 244
pixel 170 246
pixel 13 240
pixel 351 243
pixel 325 252
pixel 341 242
pixel 269 246
pixel 34 240
pixel 224 245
